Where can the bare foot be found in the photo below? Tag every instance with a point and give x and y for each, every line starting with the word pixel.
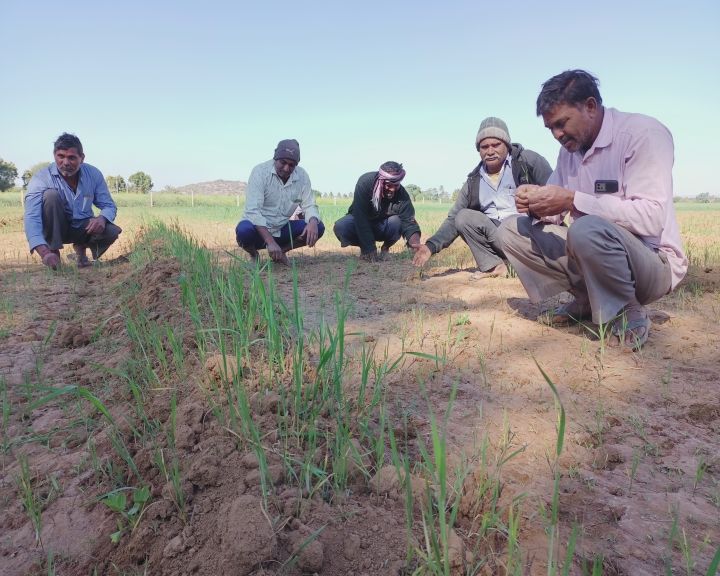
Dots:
pixel 500 271
pixel 81 256
pixel 254 254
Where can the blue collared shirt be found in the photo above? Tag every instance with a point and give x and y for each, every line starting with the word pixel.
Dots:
pixel 91 190
pixel 498 203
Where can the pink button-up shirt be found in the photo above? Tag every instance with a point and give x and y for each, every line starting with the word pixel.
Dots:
pixel 637 151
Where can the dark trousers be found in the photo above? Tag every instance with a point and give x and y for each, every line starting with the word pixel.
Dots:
pixel 387 231
pixel 58 228
pixel 247 235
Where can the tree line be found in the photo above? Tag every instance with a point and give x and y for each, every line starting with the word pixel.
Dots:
pixel 433 194
pixel 139 182
pixel 142 183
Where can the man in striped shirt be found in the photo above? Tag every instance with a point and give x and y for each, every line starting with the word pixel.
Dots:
pixel 275 190
pixel 59 207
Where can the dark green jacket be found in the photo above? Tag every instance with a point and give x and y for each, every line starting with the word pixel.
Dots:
pixel 528 167
pixel 365 214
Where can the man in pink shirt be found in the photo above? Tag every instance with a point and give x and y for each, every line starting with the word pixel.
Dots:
pixel 622 248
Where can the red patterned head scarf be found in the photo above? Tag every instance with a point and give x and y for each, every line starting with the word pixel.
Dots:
pixel 383 177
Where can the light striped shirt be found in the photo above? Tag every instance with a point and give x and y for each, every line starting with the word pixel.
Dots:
pixel 91 190
pixel 638 152
pixel 270 203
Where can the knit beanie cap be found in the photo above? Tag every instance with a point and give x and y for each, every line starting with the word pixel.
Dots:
pixel 287 150
pixel 492 128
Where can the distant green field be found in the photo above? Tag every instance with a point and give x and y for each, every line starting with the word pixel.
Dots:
pixel 212 219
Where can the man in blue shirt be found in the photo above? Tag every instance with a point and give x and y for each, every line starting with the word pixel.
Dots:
pixel 59 207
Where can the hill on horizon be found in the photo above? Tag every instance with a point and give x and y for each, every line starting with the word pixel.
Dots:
pixel 213 188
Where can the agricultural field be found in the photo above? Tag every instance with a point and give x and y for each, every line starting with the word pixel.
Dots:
pixel 178 409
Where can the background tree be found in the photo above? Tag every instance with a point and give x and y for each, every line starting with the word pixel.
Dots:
pixel 414 191
pixel 140 182
pixel 8 173
pixel 431 194
pixel 116 184
pixel 35 168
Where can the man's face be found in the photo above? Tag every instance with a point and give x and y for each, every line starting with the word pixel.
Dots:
pixel 389 188
pixel 68 161
pixel 284 168
pixel 493 153
pixel 575 127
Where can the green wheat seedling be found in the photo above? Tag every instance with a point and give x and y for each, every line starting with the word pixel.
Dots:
pixel 439 361
pixel 700 470
pixel 401 461
pixel 31 500
pixel 50 563
pixel 290 563
pixel 482 492
pixel 666 380
pixel 6 410
pixel 441 504
pixel 148 426
pixel 121 449
pixel 174 470
pixel 175 341
pixel 632 471
pixel 147 338
pixel 686 554
pixel 553 528
pixel 114 435
pixel 714 567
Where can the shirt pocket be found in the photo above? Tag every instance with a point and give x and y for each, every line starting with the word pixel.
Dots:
pixel 505 198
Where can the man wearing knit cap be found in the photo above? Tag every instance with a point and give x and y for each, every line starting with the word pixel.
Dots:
pixel 381 211
pixel 275 190
pixel 487 198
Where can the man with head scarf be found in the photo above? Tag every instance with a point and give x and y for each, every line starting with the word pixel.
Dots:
pixel 275 190
pixel 487 198
pixel 381 211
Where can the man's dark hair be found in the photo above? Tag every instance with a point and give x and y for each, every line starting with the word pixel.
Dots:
pixel 571 87
pixel 392 167
pixel 66 141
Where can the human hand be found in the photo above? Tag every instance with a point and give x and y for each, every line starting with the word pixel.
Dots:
pixel 414 241
pixel 522 197
pixel 310 233
pixel 96 225
pixel 550 200
pixel 422 255
pixel 276 253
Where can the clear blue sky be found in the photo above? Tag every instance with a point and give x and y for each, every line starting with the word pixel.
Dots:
pixel 196 91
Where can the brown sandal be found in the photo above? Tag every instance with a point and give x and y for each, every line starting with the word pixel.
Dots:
pixel 631 328
pixel 567 314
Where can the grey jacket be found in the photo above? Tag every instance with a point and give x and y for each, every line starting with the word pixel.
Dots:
pixel 528 167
